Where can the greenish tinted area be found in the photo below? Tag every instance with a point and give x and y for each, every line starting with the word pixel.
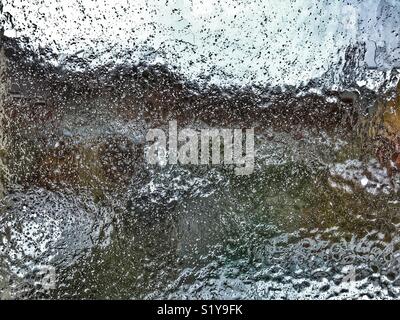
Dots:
pixel 271 227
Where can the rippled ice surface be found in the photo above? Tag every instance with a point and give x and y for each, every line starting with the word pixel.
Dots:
pixel 318 218
pixel 216 42
pixel 306 224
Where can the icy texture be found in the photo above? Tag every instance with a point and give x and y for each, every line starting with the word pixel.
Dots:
pixel 85 80
pixel 223 42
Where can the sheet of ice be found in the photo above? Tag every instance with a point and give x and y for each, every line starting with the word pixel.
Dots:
pixel 224 42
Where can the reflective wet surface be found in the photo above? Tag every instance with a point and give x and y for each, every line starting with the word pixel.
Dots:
pixel 83 215
pixel 300 226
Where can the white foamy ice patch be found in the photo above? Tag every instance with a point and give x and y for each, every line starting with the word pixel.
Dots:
pixel 42 228
pixel 229 42
pixel 370 176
